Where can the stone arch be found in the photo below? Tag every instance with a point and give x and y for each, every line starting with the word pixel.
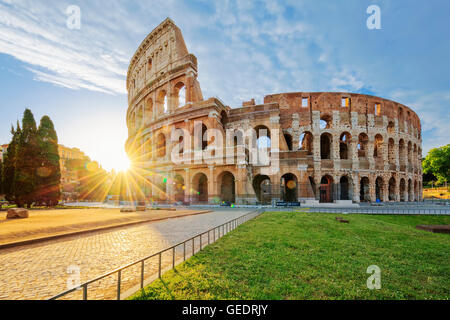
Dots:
pixel 344 146
pixel 263 189
pixel 326 189
pixel 379 189
pixel 326 141
pixel 227 187
pixel 263 138
pixel 325 122
pixel 392 189
pixel 180 188
pixel 200 188
pixel 378 146
pixel 364 190
pixel 289 187
pixel 363 141
pixel 391 127
pixel 161 145
pixel 306 142
pixel 161 102
pixel 180 94
pixel 148 110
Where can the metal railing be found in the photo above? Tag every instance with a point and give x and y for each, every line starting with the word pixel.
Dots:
pixel 213 235
pixel 399 211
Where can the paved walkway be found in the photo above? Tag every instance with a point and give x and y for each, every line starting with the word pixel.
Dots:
pixel 39 271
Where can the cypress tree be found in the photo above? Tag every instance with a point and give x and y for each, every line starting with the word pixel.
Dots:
pixel 27 162
pixel 9 162
pixel 49 172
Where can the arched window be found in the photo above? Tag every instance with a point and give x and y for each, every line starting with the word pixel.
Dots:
pixel 162 102
pixel 363 140
pixel 288 139
pixel 344 144
pixel 161 145
pixel 180 91
pixel 325 122
pixel 306 142
pixel 148 114
pixel 263 137
pixel 378 147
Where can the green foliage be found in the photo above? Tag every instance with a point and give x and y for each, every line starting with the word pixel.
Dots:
pixel 437 163
pixel 49 172
pixel 92 179
pixel 9 163
pixel 27 162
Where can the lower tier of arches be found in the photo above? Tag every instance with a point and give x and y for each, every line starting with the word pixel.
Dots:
pixel 242 186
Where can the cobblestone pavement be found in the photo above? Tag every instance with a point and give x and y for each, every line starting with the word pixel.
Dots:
pixel 40 271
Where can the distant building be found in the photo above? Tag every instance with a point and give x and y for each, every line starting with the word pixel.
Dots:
pixel 66 153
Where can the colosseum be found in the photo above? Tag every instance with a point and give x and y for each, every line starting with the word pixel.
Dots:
pixel 304 147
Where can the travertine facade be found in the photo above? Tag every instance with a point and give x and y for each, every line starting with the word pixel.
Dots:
pixel 324 146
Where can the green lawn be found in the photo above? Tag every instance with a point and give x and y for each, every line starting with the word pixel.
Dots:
pixel 285 255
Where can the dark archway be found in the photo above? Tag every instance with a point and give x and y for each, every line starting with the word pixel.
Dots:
pixel 161 145
pixel 179 188
pixel 364 195
pixel 262 188
pixel 326 189
pixel 289 188
pixel 325 146
pixel 392 189
pixel 344 188
pixel 200 186
pixel 227 187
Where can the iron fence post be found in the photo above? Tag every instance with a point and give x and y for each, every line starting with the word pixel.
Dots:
pixel 119 278
pixel 142 274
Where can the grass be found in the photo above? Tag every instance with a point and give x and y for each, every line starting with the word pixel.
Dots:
pixel 283 255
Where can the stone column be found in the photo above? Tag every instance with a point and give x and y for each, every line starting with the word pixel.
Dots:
pixel 187 185
pixel 211 186
pixel 356 187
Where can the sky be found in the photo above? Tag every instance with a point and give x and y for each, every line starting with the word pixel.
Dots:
pixel 245 48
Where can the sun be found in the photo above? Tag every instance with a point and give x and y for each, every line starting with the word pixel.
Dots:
pixel 122 164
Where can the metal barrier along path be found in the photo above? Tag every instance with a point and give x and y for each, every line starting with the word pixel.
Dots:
pixel 398 211
pixel 201 240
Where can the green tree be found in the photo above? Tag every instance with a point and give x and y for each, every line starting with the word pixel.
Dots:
pixel 437 163
pixel 49 171
pixel 9 163
pixel 27 162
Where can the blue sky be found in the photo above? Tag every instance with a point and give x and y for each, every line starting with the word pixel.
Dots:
pixel 246 49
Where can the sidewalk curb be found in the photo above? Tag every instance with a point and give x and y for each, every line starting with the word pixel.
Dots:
pixel 93 230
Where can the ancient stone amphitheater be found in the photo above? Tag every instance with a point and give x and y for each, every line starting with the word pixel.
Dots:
pixel 308 147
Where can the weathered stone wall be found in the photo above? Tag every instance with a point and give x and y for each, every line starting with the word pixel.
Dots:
pixel 324 146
